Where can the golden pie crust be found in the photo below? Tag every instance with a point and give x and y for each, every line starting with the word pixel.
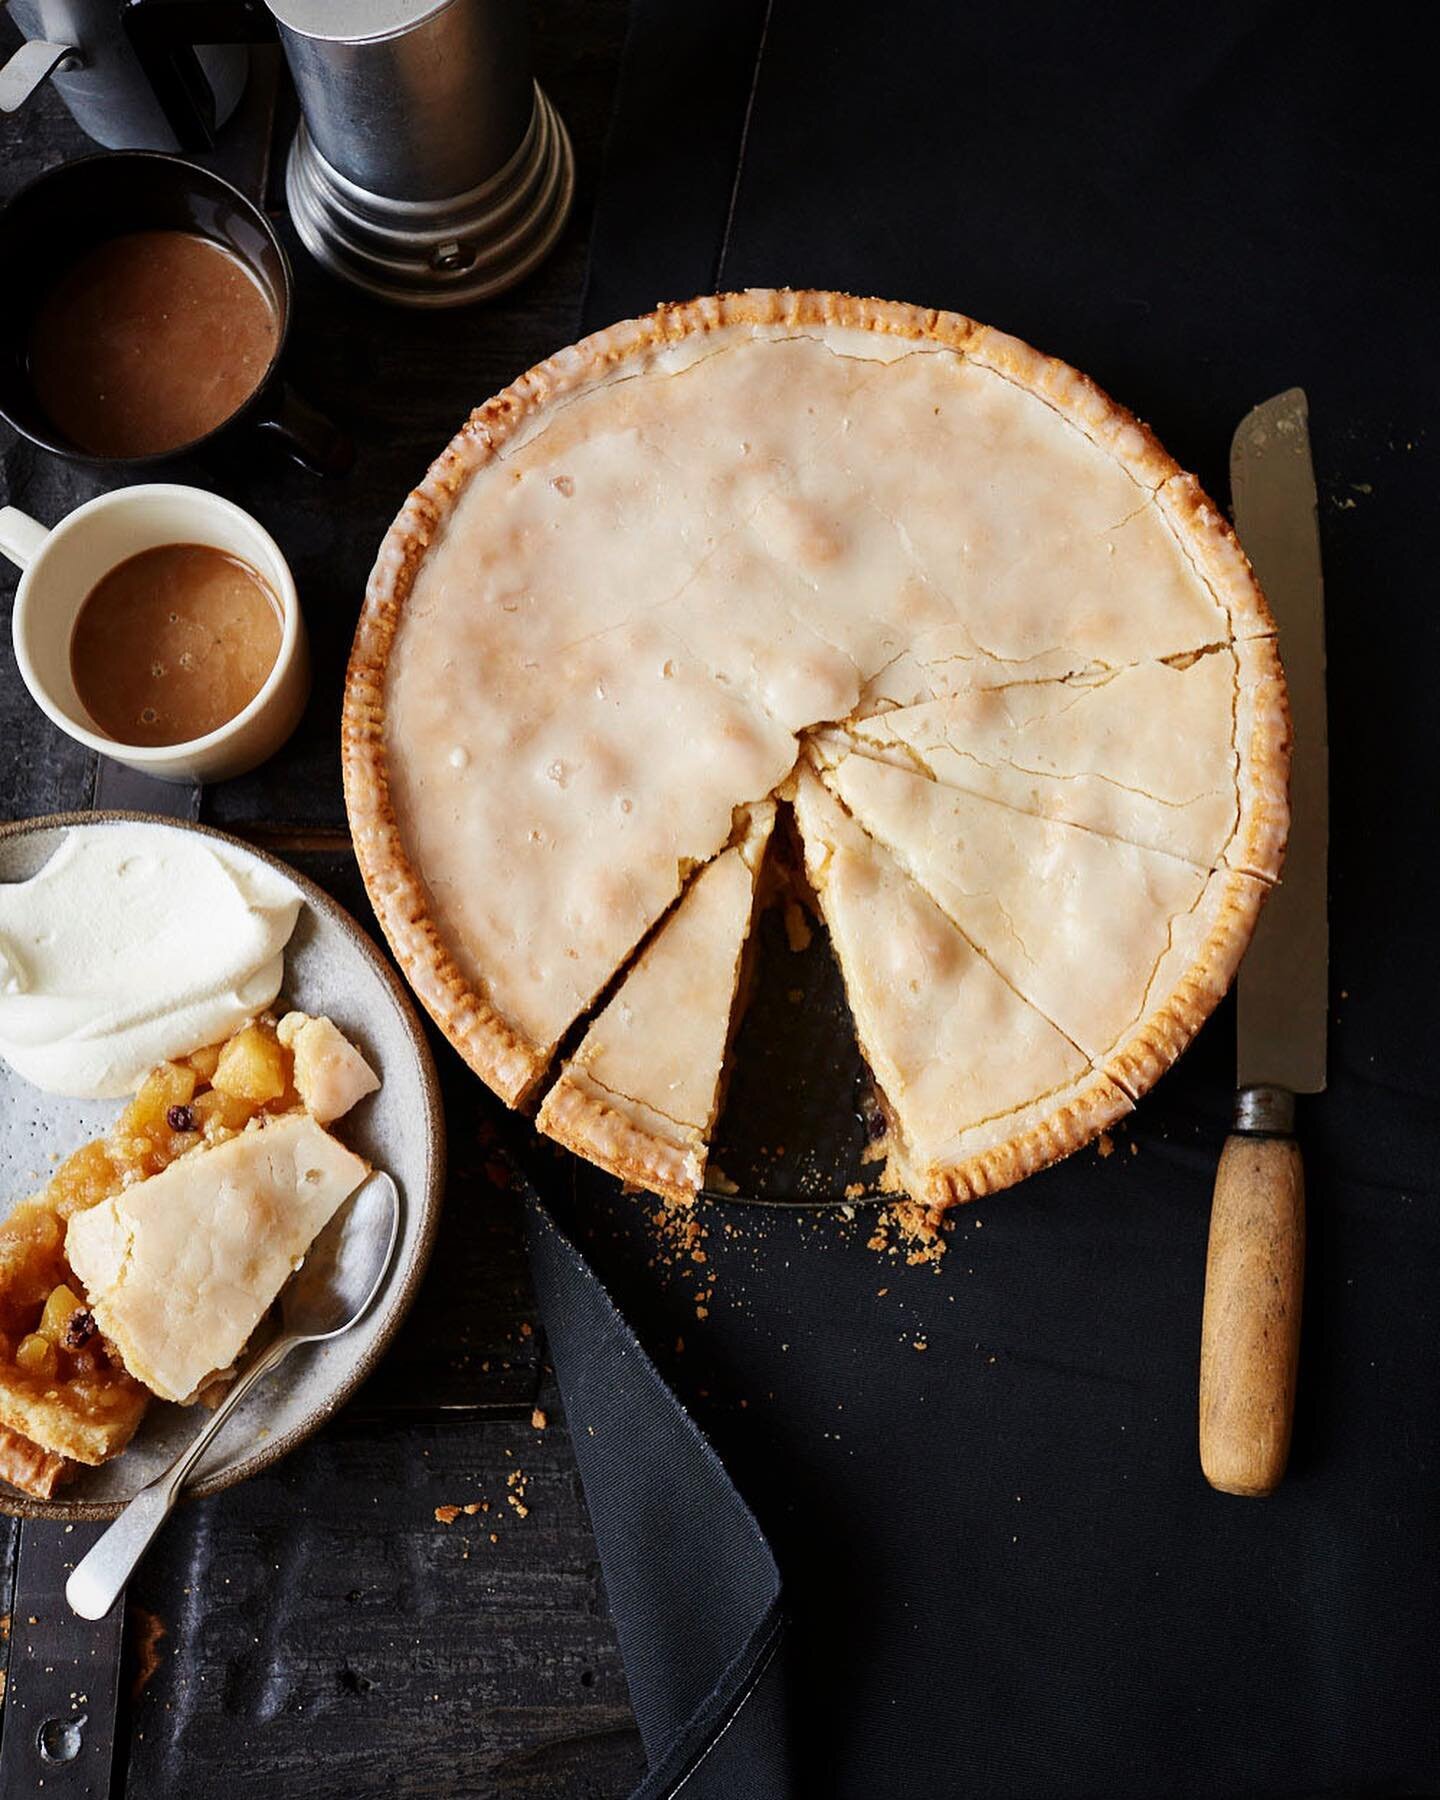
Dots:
pixel 511 1060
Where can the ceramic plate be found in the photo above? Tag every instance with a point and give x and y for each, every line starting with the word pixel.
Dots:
pixel 331 967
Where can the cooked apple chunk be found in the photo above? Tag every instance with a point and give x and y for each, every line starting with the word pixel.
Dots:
pixel 251 1066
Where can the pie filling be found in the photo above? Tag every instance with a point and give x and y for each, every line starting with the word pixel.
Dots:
pixel 146 1262
pixel 771 533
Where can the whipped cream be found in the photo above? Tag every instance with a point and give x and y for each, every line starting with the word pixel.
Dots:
pixel 133 944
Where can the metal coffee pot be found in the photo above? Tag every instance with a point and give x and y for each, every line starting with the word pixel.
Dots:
pixel 83 49
pixel 428 167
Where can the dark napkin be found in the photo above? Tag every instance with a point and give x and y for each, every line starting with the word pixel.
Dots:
pixel 695 1589
pixel 1003 1573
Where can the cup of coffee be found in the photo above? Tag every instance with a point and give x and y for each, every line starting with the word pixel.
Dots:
pixel 160 626
pixel 144 311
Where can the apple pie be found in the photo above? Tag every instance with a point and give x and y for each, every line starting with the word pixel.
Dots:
pixel 1002 661
pixel 145 1263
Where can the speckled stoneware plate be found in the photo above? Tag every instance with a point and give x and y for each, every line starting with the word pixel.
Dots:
pixel 331 966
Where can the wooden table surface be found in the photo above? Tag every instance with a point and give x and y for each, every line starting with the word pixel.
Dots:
pixel 318 1625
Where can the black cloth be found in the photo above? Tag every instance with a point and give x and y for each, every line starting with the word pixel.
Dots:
pixel 697 1591
pixel 1003 1571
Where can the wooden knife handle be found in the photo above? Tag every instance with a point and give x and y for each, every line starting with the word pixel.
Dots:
pixel 1250 1338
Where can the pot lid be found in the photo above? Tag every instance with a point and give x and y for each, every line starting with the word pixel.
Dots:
pixel 357 21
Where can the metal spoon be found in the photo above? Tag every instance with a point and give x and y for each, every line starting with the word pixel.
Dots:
pixel 330 1291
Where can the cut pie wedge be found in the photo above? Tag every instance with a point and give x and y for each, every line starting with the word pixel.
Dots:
pixel 1117 752
pixel 181 1268
pixel 1097 934
pixel 1130 752
pixel 979 1087
pixel 641 1094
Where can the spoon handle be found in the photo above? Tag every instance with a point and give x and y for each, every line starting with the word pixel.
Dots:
pixel 99 1578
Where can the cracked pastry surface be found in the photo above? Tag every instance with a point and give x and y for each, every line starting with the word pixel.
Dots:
pixel 923 999
pixel 1096 933
pixel 640 582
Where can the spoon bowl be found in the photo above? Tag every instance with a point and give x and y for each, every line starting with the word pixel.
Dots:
pixel 337 1283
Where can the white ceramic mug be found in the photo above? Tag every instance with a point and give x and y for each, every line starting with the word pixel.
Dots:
pixel 60 570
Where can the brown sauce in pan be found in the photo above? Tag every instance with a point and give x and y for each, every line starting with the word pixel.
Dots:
pixel 149 342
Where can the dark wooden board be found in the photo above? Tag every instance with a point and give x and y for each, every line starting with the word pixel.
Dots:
pixel 320 1626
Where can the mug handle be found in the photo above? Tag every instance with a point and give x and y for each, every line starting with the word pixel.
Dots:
pixel 163 34
pixel 21 537
pixel 315 442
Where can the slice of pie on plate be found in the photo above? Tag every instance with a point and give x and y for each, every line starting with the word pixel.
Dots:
pixel 180 1269
pixel 641 1094
pixel 978 1086
pixel 137 1266
pixel 673 560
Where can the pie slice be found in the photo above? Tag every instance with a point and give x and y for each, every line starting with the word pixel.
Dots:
pixel 180 1269
pixel 1097 934
pixel 641 1094
pixel 979 1088
pixel 1129 752
pixel 1117 752
pixel 200 1154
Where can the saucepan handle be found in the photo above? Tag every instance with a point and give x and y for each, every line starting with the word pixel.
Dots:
pixel 315 442
pixel 29 68
pixel 163 34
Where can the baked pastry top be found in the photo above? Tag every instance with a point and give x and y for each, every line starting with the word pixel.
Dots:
pixel 777 531
pixel 641 1093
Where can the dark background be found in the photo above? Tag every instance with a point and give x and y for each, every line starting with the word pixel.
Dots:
pixel 1005 1573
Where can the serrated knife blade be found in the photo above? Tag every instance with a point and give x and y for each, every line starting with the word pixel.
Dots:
pixel 1283 989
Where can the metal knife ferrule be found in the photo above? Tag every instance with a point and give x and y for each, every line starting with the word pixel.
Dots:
pixel 1265 1112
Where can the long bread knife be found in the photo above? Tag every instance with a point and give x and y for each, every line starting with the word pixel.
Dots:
pixel 1250 1338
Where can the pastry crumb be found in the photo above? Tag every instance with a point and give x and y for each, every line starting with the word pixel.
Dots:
pixel 446 1515
pixel 1105 1144
pixel 538 1421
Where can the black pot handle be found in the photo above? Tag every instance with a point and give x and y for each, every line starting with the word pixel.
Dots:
pixel 315 442
pixel 163 34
